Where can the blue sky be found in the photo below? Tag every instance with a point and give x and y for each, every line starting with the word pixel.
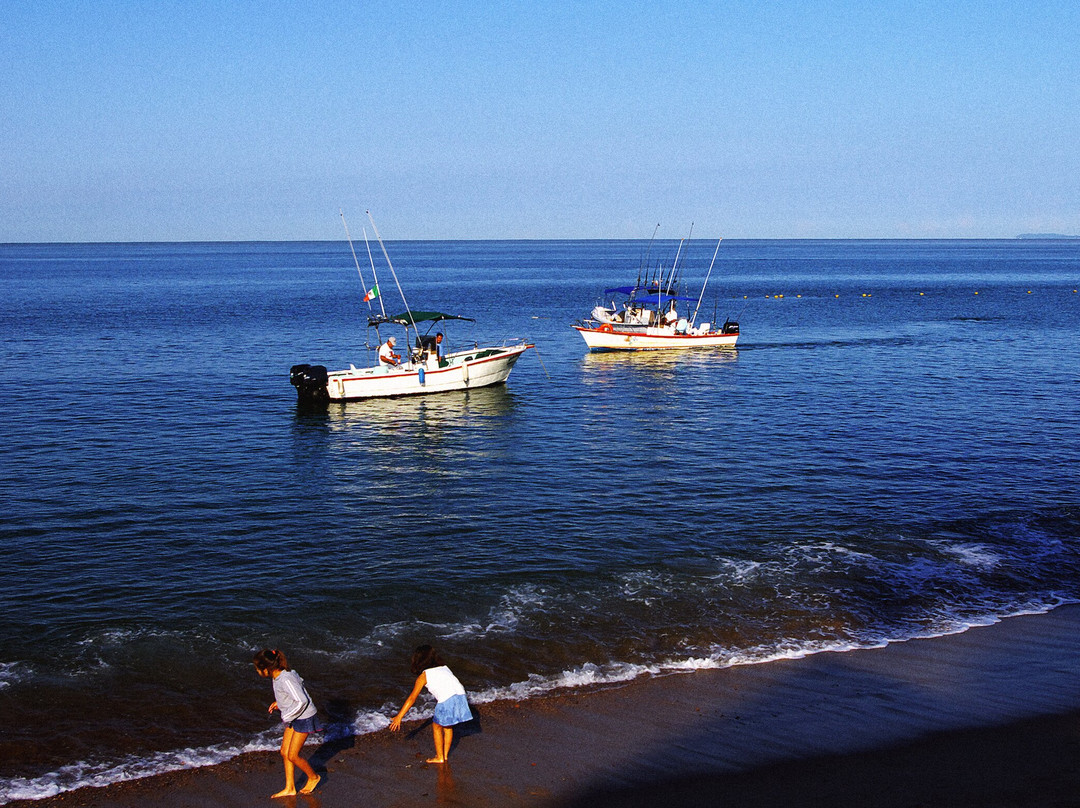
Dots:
pixel 140 121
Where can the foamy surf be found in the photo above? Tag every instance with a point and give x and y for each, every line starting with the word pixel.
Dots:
pixel 85 774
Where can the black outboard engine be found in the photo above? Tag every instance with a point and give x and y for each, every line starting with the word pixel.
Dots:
pixel 730 327
pixel 310 383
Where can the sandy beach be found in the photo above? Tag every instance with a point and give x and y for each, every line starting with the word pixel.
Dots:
pixel 988 717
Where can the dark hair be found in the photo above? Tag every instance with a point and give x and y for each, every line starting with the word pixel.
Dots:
pixel 270 660
pixel 425 657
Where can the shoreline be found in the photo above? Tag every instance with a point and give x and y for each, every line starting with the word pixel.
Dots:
pixel 951 720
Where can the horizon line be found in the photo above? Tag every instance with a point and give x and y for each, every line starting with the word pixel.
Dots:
pixel 1022 237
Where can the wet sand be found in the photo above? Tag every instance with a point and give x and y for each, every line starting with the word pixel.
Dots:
pixel 990 717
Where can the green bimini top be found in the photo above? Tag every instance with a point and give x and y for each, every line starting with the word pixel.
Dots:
pixel 417 317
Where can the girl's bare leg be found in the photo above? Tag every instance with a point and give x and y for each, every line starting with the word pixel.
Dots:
pixel 290 774
pixel 294 755
pixel 442 736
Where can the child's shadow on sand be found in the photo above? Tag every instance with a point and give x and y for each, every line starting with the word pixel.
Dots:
pixel 339 735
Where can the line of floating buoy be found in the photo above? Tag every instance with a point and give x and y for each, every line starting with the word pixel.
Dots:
pixel 780 296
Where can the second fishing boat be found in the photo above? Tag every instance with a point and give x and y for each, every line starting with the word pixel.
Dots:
pixel 649 318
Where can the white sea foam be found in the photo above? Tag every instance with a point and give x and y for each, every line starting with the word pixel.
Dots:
pixel 515 605
pixel 372 720
pixel 978 556
pixel 740 571
pixel 503 618
pixel 86 774
pixel 592 674
pixel 13 672
pixel 126 636
pixel 827 555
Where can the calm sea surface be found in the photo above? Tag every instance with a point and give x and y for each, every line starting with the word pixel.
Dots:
pixel 892 451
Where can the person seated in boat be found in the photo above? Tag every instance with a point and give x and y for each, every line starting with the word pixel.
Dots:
pixel 440 351
pixel 671 316
pixel 386 353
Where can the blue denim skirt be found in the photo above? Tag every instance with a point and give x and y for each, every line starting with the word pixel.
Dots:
pixel 455 710
pixel 306 725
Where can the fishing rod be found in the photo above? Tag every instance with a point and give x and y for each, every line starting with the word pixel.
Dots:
pixel 744 305
pixel 696 308
pixel 371 260
pixel 648 251
pixel 665 288
pixel 363 285
pixel 661 288
pixel 397 283
pixel 374 291
pixel 674 267
pixel 738 314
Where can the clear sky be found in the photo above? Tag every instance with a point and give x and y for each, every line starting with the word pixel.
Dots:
pixel 192 120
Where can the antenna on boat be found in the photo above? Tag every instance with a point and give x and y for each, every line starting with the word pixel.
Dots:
pixel 390 264
pixel 717 250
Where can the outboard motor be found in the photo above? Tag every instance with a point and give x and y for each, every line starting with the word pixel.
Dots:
pixel 310 383
pixel 730 327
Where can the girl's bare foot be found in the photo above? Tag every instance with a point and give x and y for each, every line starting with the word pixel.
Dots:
pixel 309 786
pixel 285 792
pixel 435 760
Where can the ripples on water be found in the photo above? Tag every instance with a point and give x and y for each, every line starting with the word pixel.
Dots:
pixel 887 454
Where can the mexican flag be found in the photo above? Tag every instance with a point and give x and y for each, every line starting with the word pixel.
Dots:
pixel 373 293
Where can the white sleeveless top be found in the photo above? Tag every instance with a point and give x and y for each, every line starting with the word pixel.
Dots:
pixel 442 684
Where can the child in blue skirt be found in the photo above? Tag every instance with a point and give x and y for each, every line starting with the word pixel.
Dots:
pixel 452 707
pixel 297 713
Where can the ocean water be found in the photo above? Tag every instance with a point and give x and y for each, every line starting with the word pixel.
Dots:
pixel 891 452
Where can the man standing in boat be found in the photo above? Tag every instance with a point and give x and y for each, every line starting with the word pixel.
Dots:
pixel 386 353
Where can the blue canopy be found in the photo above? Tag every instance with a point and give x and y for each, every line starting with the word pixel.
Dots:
pixel 653 298
pixel 658 300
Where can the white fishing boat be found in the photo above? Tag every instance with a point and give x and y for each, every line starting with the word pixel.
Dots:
pixel 424 368
pixel 653 316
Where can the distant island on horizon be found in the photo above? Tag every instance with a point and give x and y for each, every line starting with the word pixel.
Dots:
pixel 1047 235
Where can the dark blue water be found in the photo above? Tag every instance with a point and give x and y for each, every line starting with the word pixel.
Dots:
pixel 891 452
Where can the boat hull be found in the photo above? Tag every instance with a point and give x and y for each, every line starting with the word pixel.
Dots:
pixel 464 370
pixel 652 339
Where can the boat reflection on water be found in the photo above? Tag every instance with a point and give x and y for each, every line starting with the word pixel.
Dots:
pixel 607 366
pixel 393 450
pixel 447 410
